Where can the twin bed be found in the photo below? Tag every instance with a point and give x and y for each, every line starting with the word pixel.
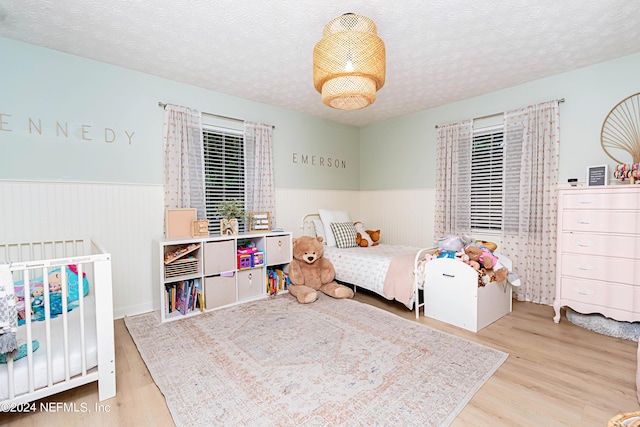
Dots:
pixel 64 323
pixel 395 272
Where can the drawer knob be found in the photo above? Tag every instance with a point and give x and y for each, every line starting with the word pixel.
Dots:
pixel 585 201
pixel 583 221
pixel 586 244
pixel 584 267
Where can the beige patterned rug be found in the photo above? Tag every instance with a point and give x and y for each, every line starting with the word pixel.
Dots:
pixel 330 363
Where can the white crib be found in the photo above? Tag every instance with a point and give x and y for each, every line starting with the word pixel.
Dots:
pixel 75 347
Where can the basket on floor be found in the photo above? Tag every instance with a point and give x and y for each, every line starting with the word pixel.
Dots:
pixel 630 419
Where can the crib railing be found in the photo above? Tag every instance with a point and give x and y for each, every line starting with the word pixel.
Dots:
pixel 30 260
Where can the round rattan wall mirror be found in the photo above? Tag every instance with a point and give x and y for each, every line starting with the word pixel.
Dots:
pixel 621 130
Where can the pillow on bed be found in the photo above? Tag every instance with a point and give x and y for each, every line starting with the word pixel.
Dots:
pixel 345 234
pixel 319 227
pixel 327 218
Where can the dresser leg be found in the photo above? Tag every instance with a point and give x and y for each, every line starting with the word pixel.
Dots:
pixel 556 307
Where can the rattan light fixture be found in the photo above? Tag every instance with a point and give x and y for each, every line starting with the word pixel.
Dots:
pixel 349 62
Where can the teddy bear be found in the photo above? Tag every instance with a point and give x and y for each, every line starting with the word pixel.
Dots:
pixel 309 272
pixel 374 235
pixel 362 237
pixel 488 263
pixel 365 238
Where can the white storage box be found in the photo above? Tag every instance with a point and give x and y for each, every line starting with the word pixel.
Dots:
pixel 452 295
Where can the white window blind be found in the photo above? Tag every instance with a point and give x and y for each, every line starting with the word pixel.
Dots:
pixel 224 171
pixel 487 178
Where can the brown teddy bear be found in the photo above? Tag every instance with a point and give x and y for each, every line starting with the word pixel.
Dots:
pixel 489 264
pixel 374 235
pixel 364 237
pixel 309 272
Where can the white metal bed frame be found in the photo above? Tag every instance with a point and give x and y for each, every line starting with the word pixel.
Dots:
pixel 29 260
pixel 418 267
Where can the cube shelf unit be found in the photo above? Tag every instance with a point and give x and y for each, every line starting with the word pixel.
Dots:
pixel 210 266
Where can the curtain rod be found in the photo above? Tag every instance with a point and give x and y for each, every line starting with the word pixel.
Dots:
pixel 561 100
pixel 162 104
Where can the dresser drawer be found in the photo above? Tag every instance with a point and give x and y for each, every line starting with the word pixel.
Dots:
pixel 618 200
pixel 618 270
pixel 278 250
pixel 251 283
pixel 603 294
pixel 600 221
pixel 619 246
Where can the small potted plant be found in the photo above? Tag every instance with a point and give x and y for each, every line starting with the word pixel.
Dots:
pixel 229 211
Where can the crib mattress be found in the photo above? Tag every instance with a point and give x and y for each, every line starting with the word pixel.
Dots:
pixel 20 367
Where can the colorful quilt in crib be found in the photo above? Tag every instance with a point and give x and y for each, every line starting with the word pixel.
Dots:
pixel 36 294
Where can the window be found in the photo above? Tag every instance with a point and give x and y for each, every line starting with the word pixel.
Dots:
pixel 224 171
pixel 487 177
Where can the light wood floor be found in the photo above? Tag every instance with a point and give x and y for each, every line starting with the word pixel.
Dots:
pixel 556 375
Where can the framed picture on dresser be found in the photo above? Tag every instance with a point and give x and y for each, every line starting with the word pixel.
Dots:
pixel 597 175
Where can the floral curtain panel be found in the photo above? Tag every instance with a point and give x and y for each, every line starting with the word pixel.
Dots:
pixel 531 138
pixel 531 201
pixel 453 181
pixel 259 181
pixel 184 159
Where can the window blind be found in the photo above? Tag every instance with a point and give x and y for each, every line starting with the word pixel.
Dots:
pixel 224 171
pixel 487 178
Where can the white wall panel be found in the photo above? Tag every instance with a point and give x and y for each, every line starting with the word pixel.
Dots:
pixel 404 217
pixel 292 204
pixel 123 218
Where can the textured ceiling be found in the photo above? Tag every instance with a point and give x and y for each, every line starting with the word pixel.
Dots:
pixel 438 51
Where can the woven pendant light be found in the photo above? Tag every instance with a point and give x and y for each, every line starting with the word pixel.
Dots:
pixel 349 62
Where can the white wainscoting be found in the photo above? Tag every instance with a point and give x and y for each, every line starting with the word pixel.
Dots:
pixel 405 217
pixel 126 218
pixel 292 204
pixel 123 218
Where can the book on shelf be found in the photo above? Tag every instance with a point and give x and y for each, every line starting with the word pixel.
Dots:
pixel 183 296
pixel 277 281
pixel 201 300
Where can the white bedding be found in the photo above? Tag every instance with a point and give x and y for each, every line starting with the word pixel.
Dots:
pixel 20 367
pixel 367 267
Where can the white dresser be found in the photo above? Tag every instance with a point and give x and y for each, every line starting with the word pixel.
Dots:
pixel 598 257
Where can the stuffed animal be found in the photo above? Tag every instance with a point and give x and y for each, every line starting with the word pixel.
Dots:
pixel 450 243
pixel 374 235
pixel 309 272
pixel 489 264
pixel 362 238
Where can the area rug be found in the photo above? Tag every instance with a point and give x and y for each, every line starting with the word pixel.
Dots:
pixel 276 362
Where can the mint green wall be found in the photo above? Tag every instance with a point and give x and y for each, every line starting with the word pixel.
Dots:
pixel 103 107
pixel 400 153
pixel 66 118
